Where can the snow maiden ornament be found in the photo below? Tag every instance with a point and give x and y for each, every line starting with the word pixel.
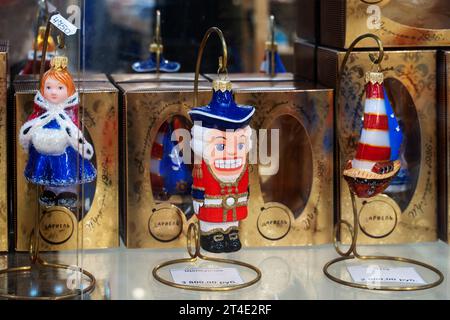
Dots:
pixel 221 137
pixel 58 152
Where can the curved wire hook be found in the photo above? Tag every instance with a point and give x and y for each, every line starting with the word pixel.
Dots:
pixel 45 45
pixel 376 61
pixel 223 61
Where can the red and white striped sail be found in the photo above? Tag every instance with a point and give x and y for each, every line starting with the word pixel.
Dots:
pixel 374 143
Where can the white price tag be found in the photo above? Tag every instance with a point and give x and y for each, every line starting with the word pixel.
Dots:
pixel 63 24
pixel 375 274
pixel 207 277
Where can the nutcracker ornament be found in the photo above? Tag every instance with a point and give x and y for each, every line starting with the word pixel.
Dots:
pixel 221 137
pixel 220 142
pixel 58 151
pixel 377 157
pixel 156 61
pixel 33 64
pixel 272 63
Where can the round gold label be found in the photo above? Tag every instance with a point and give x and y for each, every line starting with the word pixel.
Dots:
pixel 166 223
pixel 378 217
pixel 274 221
pixel 56 225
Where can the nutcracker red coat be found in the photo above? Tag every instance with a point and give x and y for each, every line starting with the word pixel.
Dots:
pixel 222 201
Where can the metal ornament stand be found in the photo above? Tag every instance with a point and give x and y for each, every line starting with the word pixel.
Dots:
pixel 193 229
pixel 36 261
pixel 353 227
pixel 273 48
pixel 158 41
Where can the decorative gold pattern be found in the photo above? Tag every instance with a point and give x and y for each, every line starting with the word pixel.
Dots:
pixel 273 47
pixel 156 48
pixel 314 224
pixel 374 77
pixel 222 85
pixel 59 63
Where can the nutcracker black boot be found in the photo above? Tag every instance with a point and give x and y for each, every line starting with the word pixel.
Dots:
pixel 213 241
pixel 47 198
pixel 232 240
pixel 68 200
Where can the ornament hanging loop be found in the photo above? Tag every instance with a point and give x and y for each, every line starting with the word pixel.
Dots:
pixel 223 61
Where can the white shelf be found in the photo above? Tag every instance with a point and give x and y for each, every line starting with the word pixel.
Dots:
pixel 288 273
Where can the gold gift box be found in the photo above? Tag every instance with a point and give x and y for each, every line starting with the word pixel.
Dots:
pixel 291 205
pixel 443 151
pixel 150 221
pixel 59 230
pixel 403 23
pixel 408 210
pixel 3 146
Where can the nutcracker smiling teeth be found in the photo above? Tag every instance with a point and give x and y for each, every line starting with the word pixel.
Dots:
pixel 377 157
pixel 221 137
pixel 58 152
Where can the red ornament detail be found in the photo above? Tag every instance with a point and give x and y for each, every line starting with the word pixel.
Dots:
pixel 374 91
pixel 376 121
pixel 372 153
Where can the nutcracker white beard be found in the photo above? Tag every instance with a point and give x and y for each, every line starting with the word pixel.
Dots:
pixel 225 152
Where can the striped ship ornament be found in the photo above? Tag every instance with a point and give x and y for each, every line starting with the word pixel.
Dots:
pixel 377 157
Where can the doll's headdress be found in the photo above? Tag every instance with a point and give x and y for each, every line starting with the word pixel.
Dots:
pixel 59 63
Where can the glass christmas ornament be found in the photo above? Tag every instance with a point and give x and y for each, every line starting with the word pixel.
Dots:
pixel 156 61
pixel 59 154
pixel 221 138
pixel 376 161
pixel 272 63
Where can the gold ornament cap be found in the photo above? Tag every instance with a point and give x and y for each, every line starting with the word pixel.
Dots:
pixel 59 63
pixel 222 85
pixel 374 77
pixel 154 48
pixel 273 47
pixel 38 44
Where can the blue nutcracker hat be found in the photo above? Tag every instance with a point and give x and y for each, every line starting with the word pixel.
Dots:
pixel 222 112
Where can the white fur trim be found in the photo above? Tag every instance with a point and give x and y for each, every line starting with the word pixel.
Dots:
pixel 208 226
pixel 52 141
pixel 44 104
